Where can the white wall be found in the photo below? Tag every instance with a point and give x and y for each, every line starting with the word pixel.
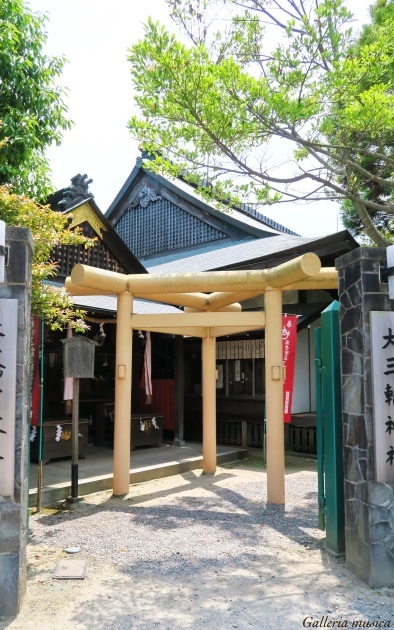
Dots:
pixel 304 393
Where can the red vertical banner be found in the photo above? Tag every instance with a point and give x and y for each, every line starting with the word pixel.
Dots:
pixel 289 342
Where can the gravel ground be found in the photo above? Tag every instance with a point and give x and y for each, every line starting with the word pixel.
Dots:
pixel 196 551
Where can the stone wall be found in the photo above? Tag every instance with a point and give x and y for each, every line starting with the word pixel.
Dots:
pixel 369 506
pixel 14 509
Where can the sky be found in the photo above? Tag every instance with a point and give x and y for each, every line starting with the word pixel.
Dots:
pixel 94 36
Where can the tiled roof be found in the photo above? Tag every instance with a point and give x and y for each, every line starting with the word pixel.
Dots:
pixel 194 250
pixel 108 303
pixel 245 215
pixel 214 257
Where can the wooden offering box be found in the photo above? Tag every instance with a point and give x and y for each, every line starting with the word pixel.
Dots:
pixel 56 439
pixel 146 430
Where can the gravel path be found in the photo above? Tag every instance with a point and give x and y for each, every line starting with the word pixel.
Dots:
pixel 196 551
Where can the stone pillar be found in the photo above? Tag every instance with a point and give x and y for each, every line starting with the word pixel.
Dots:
pixel 369 506
pixel 14 509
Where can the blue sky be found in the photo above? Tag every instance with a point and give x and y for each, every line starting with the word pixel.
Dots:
pixel 94 35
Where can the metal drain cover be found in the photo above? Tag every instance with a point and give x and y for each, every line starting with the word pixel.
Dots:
pixel 70 570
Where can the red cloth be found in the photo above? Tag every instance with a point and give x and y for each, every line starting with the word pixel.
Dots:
pixel 146 379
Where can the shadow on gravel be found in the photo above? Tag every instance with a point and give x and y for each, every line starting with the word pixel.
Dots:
pixel 208 601
pixel 269 595
pixel 186 560
pixel 234 514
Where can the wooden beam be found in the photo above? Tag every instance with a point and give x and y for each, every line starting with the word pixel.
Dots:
pixel 290 272
pixel 206 319
pixel 95 278
pixel 233 308
pixel 326 279
pixel 222 331
pixel 215 301
pixel 188 331
pixel 191 300
pixel 201 281
pixel 73 289
pixel 305 266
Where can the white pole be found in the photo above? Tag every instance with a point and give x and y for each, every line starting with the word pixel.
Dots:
pixel 2 244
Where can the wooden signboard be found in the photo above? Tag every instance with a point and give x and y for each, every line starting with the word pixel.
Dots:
pixel 8 340
pixel 237 371
pixel 382 356
pixel 219 376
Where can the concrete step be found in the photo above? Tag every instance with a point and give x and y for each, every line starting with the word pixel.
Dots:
pixel 57 492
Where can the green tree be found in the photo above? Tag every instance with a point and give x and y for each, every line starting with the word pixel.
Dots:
pixel 32 117
pixel 382 14
pixel 32 109
pixel 48 228
pixel 256 77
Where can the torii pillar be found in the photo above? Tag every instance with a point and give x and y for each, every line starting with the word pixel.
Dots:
pixel 274 397
pixel 209 404
pixel 123 383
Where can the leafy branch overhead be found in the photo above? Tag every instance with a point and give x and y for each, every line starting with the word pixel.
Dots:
pixel 272 102
pixel 32 117
pixel 32 107
pixel 48 228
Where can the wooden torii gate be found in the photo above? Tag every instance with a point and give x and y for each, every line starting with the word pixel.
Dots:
pixel 211 310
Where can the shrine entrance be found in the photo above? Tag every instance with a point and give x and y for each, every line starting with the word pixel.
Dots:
pixel 211 309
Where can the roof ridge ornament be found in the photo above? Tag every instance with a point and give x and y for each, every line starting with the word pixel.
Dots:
pixel 66 197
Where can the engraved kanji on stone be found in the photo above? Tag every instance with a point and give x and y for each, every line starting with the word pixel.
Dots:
pixel 389 338
pixel 390 454
pixel 390 425
pixel 390 365
pixel 2 431
pixel 389 394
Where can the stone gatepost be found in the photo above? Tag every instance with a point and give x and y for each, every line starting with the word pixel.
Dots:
pixel 369 505
pixel 14 507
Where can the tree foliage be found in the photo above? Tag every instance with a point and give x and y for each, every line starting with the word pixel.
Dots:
pixel 32 108
pixel 32 117
pixel 382 14
pixel 48 228
pixel 253 80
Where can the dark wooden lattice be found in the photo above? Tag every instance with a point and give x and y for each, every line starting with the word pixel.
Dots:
pixel 97 256
pixel 163 226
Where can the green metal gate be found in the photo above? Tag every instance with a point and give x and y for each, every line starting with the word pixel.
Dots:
pixel 329 430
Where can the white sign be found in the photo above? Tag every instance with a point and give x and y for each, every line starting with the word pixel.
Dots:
pixel 8 340
pixel 382 356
